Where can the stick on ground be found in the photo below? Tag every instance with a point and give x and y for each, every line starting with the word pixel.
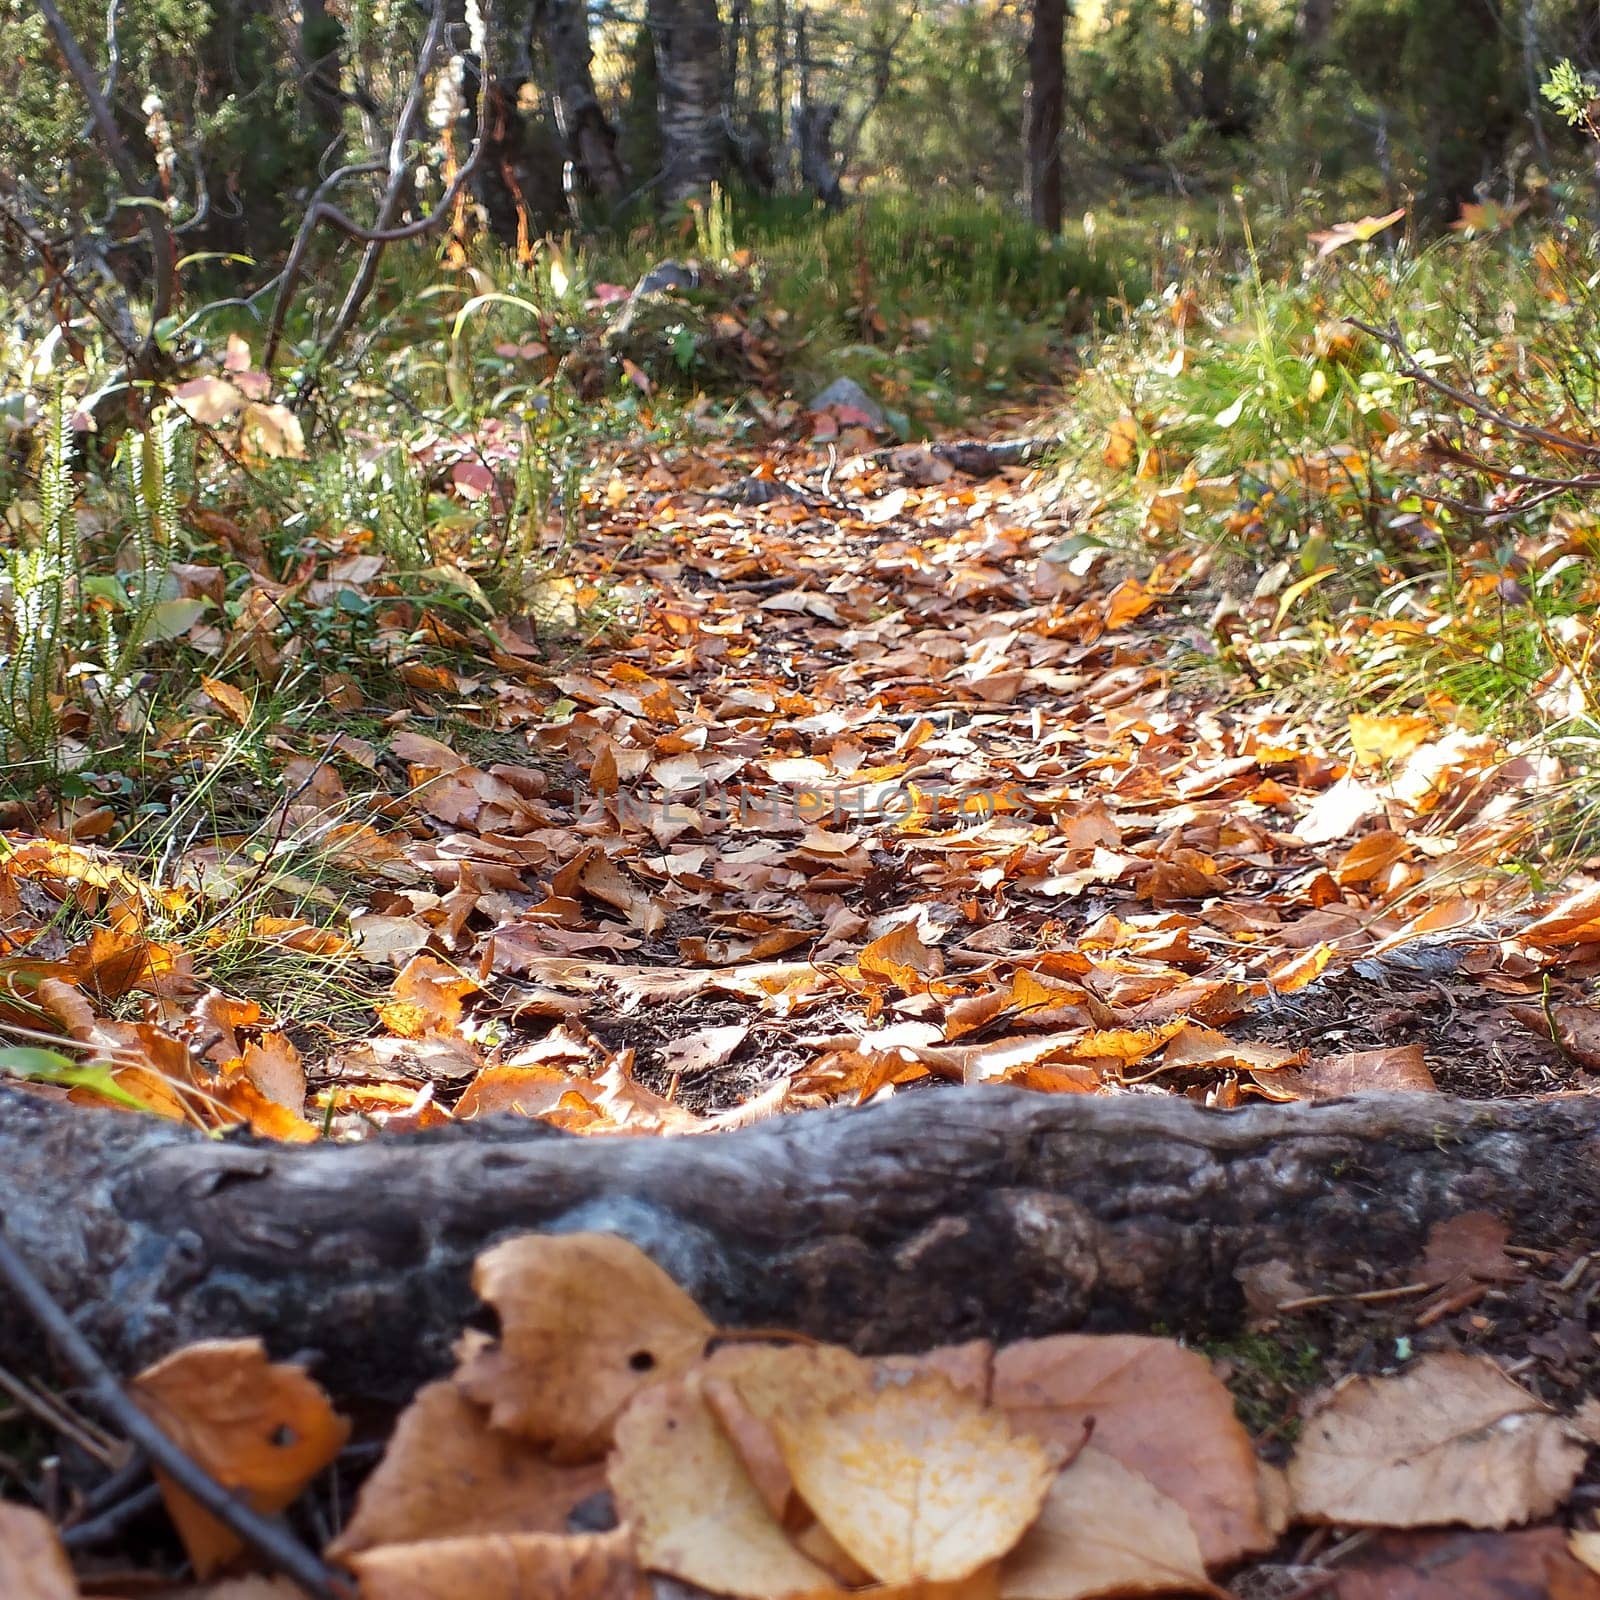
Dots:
pixel 265 1536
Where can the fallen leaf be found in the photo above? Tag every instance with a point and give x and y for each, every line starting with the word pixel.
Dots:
pixel 1337 812
pixel 514 1566
pixel 1377 741
pixel 704 1050
pixel 426 997
pixel 587 1320
pixel 917 1480
pixel 1191 1446
pixel 1399 1069
pixel 750 1386
pixel 1572 921
pixel 1471 1247
pixel 902 958
pixel 694 1512
pixel 1531 1565
pixel 1105 1530
pixel 227 698
pixel 1451 1440
pixel 262 1428
pixel 33 1566
pixel 446 1474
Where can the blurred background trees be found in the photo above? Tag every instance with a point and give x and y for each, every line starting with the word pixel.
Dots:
pixel 266 132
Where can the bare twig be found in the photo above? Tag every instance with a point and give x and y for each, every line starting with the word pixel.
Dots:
pixel 109 1523
pixel 1408 368
pixel 152 209
pixel 384 230
pixel 266 1537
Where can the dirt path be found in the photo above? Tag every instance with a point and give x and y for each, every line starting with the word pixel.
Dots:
pixel 894 781
pixel 881 781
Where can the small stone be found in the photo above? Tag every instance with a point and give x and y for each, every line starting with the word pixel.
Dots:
pixel 845 394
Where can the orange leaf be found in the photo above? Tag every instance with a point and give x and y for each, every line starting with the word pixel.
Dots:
pixel 262 1429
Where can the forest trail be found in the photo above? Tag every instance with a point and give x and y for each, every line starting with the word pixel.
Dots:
pixel 896 780
pixel 883 777
pixel 877 773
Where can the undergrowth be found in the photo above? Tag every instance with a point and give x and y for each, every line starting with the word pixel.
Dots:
pixel 1383 457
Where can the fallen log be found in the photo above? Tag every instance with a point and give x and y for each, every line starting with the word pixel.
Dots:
pixel 937 1216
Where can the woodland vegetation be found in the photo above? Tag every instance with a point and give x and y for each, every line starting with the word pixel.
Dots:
pixel 799 797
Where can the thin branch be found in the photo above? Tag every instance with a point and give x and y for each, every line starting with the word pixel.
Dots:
pixel 383 232
pixel 1408 368
pixel 163 253
pixel 266 1537
pixel 290 276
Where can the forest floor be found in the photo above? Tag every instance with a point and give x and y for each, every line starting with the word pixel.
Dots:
pixel 885 780
pixel 882 779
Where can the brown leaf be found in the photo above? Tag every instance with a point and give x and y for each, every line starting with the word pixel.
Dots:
pixel 1572 921
pixel 1467 1248
pixel 33 1566
pixel 1452 1440
pixel 1576 1028
pixel 587 1321
pixel 1196 1047
pixel 226 698
pixel 447 1474
pixel 902 959
pixel 1105 1530
pixel 1371 855
pixel 261 1428
pixel 516 1566
pixel 1191 1446
pixel 273 1066
pixel 1532 1565
pixel 694 1512
pixel 705 1050
pixel 1397 1069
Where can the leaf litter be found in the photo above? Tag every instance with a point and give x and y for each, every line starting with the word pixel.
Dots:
pixel 766 1467
pixel 878 784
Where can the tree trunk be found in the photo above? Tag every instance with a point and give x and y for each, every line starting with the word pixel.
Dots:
pixel 813 140
pixel 1469 115
pixel 590 141
pixel 1042 120
pixel 811 125
pixel 941 1215
pixel 689 60
pixel 1314 26
pixel 1216 66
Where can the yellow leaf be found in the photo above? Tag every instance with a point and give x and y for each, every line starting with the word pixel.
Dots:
pixel 1377 740
pixel 694 1512
pixel 918 1480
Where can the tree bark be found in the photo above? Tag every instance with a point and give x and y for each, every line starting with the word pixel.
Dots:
pixel 689 62
pixel 1314 26
pixel 941 1215
pixel 1042 121
pixel 1468 107
pixel 590 140
pixel 1216 66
